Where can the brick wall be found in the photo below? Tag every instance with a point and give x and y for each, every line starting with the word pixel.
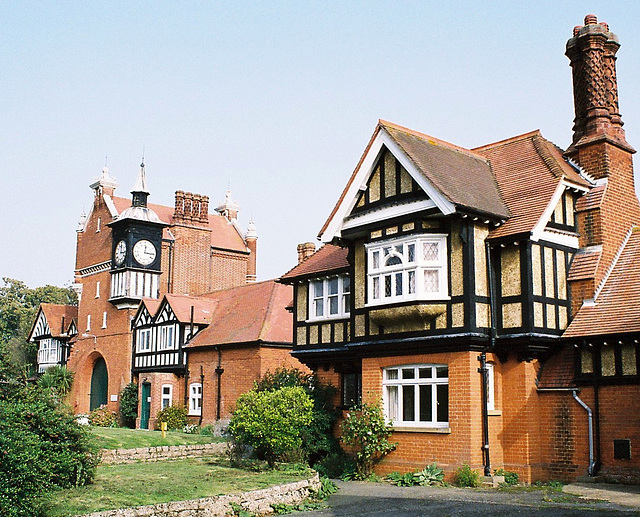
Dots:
pixel 230 269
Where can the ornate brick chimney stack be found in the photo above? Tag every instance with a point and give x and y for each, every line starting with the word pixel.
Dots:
pixel 305 250
pixel 592 52
pixel 606 214
pixel 191 208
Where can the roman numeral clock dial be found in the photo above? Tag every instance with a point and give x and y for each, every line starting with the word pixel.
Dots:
pixel 144 252
pixel 121 251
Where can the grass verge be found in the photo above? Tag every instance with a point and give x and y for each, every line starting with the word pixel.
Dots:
pixel 120 438
pixel 137 484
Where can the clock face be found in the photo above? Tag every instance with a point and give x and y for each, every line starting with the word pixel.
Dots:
pixel 121 251
pixel 144 252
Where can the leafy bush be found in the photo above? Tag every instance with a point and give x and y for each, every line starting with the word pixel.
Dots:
pixel 467 477
pixel 174 416
pixel 318 439
pixel 129 405
pixel 510 478
pixel 208 430
pixel 430 475
pixel 271 421
pixel 57 379
pixel 42 448
pixel 365 431
pixel 103 417
pixel 336 465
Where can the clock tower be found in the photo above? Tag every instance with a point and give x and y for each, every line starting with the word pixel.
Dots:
pixel 136 249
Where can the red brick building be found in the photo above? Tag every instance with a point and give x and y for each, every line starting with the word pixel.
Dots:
pixel 488 296
pixel 203 352
pixel 129 250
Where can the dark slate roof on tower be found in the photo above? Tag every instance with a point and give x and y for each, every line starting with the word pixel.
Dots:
pixel 616 308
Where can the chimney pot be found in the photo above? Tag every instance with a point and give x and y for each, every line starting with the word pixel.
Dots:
pixel 576 30
pixel 590 19
pixel 605 25
pixel 305 250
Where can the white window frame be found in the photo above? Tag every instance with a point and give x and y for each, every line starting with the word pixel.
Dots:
pixel 98 289
pixel 104 320
pixel 143 340
pixel 491 400
pixel 195 399
pixel 322 292
pixel 398 269
pixel 166 397
pixel 167 337
pixel 395 390
pixel 88 322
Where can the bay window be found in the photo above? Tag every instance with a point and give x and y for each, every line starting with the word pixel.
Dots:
pixel 329 297
pixel 413 268
pixel 417 395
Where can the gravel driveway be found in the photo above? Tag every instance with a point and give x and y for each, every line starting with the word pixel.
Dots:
pixel 381 499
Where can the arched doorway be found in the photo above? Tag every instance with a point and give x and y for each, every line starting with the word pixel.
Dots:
pixel 99 384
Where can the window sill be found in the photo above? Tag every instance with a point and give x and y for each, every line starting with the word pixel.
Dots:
pixel 434 430
pixel 328 319
pixel 384 302
pixel 495 412
pixel 194 414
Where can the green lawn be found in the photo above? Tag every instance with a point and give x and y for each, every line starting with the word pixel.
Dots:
pixel 112 438
pixel 136 484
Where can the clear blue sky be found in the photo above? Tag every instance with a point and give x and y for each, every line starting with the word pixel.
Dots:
pixel 275 99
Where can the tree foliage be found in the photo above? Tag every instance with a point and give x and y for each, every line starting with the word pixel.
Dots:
pixel 272 421
pixel 129 405
pixel 42 448
pixel 366 432
pixel 18 307
pixel 317 438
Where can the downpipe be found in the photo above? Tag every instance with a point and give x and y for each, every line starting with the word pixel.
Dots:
pixel 592 463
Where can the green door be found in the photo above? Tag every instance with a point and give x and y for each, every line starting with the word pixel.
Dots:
pixel 99 384
pixel 145 406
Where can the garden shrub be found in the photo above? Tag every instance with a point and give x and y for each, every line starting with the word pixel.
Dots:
pixel 510 478
pixel 208 430
pixel 430 475
pixel 42 448
pixel 336 465
pixel 318 439
pixel 103 417
pixel 129 405
pixel 465 476
pixel 57 379
pixel 174 416
pixel 366 432
pixel 271 421
pixel 191 429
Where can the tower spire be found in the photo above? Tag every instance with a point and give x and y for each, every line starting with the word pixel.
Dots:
pixel 140 190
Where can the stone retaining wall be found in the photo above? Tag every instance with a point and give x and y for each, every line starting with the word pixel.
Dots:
pixel 166 452
pixel 257 502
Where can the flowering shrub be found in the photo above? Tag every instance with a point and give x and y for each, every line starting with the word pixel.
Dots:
pixel 365 431
pixel 191 429
pixel 103 417
pixel 174 416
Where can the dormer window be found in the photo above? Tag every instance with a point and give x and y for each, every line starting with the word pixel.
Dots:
pixel 407 269
pixel 329 297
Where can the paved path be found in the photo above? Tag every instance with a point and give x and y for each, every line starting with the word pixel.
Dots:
pixel 381 499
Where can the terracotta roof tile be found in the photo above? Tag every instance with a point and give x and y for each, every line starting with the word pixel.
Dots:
pixel 528 169
pixel 223 233
pixel 328 258
pixel 54 313
pixel 592 199
pixel 203 308
pixel 558 370
pixel 253 313
pixel 617 305
pixel 584 264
